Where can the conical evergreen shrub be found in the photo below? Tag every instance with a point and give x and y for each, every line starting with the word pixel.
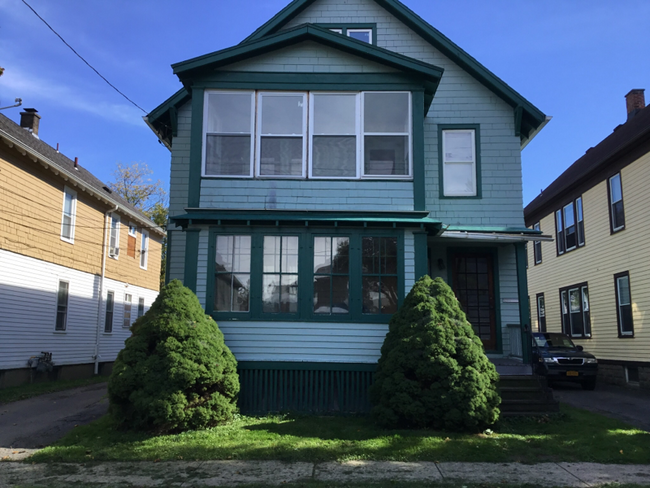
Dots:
pixel 433 372
pixel 175 372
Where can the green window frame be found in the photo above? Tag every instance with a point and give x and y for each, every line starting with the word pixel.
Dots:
pixel 477 158
pixel 305 311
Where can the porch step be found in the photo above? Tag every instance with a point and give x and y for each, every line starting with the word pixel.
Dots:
pixel 526 395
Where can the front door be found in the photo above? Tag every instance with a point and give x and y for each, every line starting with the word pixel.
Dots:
pixel 473 284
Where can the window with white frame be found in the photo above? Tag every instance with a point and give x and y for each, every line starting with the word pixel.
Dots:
pixel 62 306
pixel 617 211
pixel 114 237
pixel 69 214
pixel 576 318
pixel 140 307
pixel 360 34
pixel 459 163
pixel 308 135
pixel 127 311
pixel 570 226
pixel 537 247
pixel 144 249
pixel 624 305
pixel 110 306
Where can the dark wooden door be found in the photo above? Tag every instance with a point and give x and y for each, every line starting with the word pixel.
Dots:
pixel 473 284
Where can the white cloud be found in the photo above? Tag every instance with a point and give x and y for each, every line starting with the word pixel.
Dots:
pixel 33 89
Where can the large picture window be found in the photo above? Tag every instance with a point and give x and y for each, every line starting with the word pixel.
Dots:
pixel 616 210
pixel 459 163
pixel 306 274
pixel 570 226
pixel 624 305
pixel 574 303
pixel 307 135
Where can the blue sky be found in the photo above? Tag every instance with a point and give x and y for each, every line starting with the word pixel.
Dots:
pixel 575 60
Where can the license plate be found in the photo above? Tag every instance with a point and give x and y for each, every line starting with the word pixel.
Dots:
pixel 572 373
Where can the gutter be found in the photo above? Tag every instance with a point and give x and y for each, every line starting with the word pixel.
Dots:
pixel 66 175
pixel 100 299
pixel 491 236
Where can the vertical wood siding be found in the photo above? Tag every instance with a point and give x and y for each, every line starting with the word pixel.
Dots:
pixel 603 255
pixel 28 301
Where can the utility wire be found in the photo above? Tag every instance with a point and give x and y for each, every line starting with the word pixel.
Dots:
pixel 81 57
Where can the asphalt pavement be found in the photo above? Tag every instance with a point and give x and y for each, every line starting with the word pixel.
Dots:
pixel 39 421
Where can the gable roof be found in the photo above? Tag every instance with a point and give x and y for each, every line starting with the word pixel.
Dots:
pixel 306 32
pixel 40 152
pixel 532 119
pixel 629 141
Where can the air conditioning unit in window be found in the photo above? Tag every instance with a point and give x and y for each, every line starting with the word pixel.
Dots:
pixel 113 252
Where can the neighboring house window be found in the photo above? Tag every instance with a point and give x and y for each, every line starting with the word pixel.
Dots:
pixel 570 227
pixel 130 247
pixel 624 305
pixel 459 164
pixel 616 210
pixel 232 274
pixel 69 214
pixel 62 306
pixel 140 307
pixel 348 135
pixel 574 303
pixel 114 239
pixel 144 249
pixel 379 275
pixel 537 247
pixel 127 310
pixel 280 274
pixel 541 313
pixel 110 306
pixel 331 275
pixel 360 34
pixel 307 275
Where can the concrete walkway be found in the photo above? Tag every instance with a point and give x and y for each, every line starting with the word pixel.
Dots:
pixel 232 473
pixel 30 424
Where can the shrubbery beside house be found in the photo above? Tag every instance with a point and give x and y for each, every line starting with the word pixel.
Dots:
pixel 433 372
pixel 175 373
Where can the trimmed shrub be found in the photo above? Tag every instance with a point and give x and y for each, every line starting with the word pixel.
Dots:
pixel 175 372
pixel 433 372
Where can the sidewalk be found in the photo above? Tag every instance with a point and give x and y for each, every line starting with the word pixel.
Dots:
pixel 233 473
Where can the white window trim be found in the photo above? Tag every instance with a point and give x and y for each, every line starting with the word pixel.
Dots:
pixel 116 218
pixel 135 229
pixel 474 193
pixel 537 245
pixel 619 305
pixel 575 225
pixel 124 304
pixel 67 307
pixel 338 30
pixel 144 247
pixel 206 98
pixel 73 222
pixel 612 202
pixel 109 292
pixel 258 135
pixel 369 31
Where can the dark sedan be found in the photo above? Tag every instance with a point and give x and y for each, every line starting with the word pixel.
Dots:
pixel 559 359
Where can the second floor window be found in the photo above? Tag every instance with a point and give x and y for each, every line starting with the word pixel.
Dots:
pixel 459 175
pixel 537 247
pixel 114 237
pixel 616 210
pixel 144 249
pixel 307 135
pixel 570 226
pixel 69 214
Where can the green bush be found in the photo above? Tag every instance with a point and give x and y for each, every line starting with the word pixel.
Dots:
pixel 175 372
pixel 433 372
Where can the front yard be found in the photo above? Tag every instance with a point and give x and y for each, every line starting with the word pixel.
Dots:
pixel 572 436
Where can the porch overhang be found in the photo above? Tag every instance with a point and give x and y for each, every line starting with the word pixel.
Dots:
pixel 411 219
pixel 500 234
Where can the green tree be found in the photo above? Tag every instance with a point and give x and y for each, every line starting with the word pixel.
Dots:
pixel 175 372
pixel 134 184
pixel 433 372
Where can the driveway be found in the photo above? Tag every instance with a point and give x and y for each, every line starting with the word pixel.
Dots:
pixel 37 422
pixel 626 404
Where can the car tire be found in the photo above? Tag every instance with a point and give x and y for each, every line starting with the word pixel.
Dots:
pixel 589 384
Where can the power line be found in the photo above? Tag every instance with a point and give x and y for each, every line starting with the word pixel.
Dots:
pixel 81 57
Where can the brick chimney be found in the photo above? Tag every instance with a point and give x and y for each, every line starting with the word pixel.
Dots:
pixel 634 101
pixel 29 119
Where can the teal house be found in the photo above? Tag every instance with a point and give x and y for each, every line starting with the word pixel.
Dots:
pixel 318 169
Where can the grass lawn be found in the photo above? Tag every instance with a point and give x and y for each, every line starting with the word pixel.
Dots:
pixel 572 436
pixel 23 392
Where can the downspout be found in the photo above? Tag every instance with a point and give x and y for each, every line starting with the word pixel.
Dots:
pixel 101 288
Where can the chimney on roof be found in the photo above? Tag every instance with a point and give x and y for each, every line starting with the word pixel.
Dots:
pixel 29 120
pixel 635 101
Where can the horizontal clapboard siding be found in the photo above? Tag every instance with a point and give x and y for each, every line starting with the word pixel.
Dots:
pixel 28 301
pixel 304 341
pixel 603 255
